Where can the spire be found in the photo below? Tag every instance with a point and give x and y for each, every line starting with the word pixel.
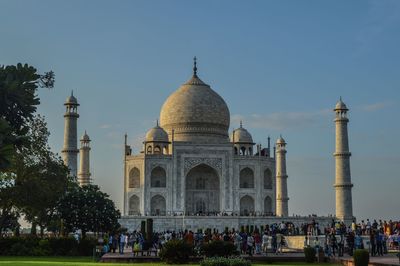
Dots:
pixel 195 66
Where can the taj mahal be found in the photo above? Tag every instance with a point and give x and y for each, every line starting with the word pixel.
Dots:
pixel 193 173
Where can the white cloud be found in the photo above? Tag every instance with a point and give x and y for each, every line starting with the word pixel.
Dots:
pixel 105 126
pixel 281 120
pixel 375 106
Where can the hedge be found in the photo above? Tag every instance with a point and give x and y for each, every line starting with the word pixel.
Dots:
pixel 218 261
pixel 33 246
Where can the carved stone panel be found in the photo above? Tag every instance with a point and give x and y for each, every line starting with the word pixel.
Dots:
pixel 191 162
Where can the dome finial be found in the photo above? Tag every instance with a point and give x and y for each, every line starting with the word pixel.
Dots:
pixel 157 122
pixel 195 66
pixel 241 124
pixel 72 92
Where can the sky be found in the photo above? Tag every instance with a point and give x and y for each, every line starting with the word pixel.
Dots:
pixel 280 66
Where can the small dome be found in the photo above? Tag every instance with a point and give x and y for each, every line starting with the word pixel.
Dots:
pixel 71 99
pixel 85 137
pixel 157 134
pixel 340 105
pixel 241 135
pixel 280 140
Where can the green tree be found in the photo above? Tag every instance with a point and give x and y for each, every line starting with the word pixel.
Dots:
pixel 88 209
pixel 18 102
pixel 8 213
pixel 41 178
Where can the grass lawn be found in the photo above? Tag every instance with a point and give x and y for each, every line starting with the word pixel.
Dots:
pixel 87 261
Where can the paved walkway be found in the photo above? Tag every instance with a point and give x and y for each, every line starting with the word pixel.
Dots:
pixel 389 259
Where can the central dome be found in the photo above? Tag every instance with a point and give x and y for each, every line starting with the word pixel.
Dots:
pixel 196 113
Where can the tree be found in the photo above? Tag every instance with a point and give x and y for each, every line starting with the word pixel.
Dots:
pixel 88 209
pixel 41 178
pixel 18 101
pixel 8 213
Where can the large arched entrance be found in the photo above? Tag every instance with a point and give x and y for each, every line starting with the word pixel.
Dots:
pixel 202 191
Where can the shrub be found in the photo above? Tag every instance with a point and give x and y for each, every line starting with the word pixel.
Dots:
pixel 218 249
pixel 19 249
pixel 176 252
pixel 219 261
pixel 6 244
pixel 309 254
pixel 63 246
pixel 361 257
pixel 85 247
pixel 33 246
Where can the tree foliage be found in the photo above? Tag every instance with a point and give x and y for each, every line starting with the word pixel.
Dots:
pixel 18 102
pixel 88 209
pixel 40 176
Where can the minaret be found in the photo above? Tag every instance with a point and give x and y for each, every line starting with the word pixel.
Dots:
pixel 84 162
pixel 282 208
pixel 343 185
pixel 70 150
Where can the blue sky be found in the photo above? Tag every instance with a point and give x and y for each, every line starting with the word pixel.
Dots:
pixel 280 66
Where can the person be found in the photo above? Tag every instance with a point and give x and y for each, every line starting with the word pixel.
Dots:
pixel 372 241
pixel 126 240
pixel 244 242
pixel 350 242
pixel 110 242
pixel 274 243
pixel 265 239
pixel 121 243
pixel 341 245
pixel 305 243
pixel 104 249
pixel 114 243
pixel 358 241
pixel 250 244
pixel 136 246
pixel 237 241
pixel 317 245
pixel 379 244
pixel 257 241
pixel 333 243
pixel 279 239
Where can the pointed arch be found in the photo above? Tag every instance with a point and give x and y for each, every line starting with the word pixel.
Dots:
pixel 267 179
pixel 202 190
pixel 158 177
pixel 134 205
pixel 268 205
pixel 246 178
pixel 157 150
pixel 158 205
pixel 246 205
pixel 149 149
pixel 134 178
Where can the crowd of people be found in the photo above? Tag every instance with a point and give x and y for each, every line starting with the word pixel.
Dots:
pixel 377 237
pixel 337 238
